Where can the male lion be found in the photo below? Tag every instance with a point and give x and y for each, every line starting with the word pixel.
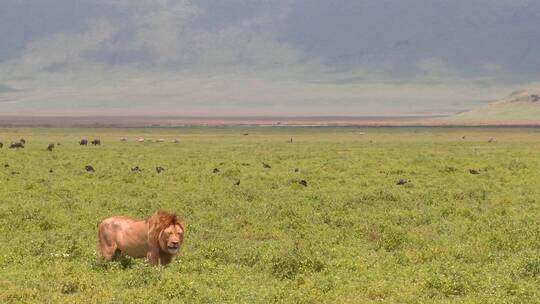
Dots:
pixel 158 238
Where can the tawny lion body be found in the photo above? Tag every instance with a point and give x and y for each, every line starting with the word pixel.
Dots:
pixel 158 238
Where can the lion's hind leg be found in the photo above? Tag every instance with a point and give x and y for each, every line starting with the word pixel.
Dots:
pixel 106 248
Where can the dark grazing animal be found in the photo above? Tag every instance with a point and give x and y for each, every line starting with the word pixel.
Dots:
pixel 16 145
pixel 237 183
pixel 159 169
pixel 22 141
pixel 136 169
pixel 474 171
pixel 89 168
pixel 83 142
pixel 216 170
pixel 96 142
pixel 267 166
pixel 50 147
pixel 401 182
pixel 1 145
pixel 303 183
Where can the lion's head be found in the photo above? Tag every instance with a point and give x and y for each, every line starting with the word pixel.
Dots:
pixel 166 231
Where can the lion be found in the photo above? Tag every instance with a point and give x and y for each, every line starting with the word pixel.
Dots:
pixel 158 238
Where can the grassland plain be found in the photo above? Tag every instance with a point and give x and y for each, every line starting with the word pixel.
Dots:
pixel 351 236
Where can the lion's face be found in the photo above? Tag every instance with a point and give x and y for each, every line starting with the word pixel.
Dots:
pixel 171 238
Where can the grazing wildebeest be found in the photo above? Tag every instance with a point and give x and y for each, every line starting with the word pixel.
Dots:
pixel 16 145
pixel 22 141
pixel 6 166
pixel 296 169
pixel 50 147
pixel 50 171
pixel 96 142
pixel 89 168
pixel 474 171
pixel 237 183
pixel 159 169
pixel 246 134
pixel 216 170
pixel 303 183
pixel 1 145
pixel 136 169
pixel 267 166
pixel 83 142
pixel 401 182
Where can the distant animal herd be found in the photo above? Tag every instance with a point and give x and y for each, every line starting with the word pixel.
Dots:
pixel 83 142
pixel 159 169
pixel 97 142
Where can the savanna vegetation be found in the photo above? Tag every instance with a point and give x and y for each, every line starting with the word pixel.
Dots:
pixel 326 223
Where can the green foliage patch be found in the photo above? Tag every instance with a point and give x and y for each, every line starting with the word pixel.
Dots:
pixel 350 234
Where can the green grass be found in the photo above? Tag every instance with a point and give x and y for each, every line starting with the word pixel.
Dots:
pixel 351 236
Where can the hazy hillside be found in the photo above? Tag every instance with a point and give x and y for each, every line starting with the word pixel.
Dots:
pixel 519 107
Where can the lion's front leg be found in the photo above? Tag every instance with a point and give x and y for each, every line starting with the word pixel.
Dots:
pixel 153 256
pixel 165 259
